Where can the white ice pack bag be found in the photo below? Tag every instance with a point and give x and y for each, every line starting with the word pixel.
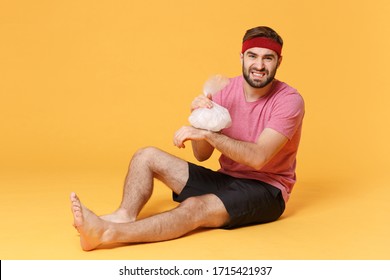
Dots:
pixel 217 117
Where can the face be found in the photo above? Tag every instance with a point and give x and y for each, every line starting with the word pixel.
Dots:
pixel 259 66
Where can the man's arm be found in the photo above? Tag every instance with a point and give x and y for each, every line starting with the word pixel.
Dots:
pixel 202 149
pixel 255 155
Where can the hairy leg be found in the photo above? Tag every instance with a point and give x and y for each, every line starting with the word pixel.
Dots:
pixel 195 212
pixel 147 164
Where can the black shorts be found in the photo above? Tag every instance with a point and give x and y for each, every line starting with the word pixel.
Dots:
pixel 247 201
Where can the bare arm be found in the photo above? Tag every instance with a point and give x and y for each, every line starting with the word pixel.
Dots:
pixel 255 155
pixel 201 148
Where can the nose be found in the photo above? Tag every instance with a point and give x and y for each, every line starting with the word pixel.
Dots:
pixel 259 63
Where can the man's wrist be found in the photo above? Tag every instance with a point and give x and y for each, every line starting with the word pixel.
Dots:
pixel 211 137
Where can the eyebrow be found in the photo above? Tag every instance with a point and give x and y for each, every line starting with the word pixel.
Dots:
pixel 266 55
pixel 252 53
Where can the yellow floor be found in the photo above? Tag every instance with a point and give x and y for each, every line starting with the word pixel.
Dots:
pixel 324 220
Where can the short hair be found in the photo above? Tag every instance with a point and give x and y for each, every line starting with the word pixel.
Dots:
pixel 263 31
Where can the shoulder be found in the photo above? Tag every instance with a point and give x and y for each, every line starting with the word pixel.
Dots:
pixel 287 94
pixel 229 91
pixel 236 81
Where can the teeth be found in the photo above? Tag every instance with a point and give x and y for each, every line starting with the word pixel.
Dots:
pixel 258 74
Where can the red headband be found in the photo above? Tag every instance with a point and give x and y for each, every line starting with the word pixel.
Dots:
pixel 262 42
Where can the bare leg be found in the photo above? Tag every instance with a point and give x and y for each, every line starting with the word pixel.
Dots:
pixel 195 212
pixel 147 164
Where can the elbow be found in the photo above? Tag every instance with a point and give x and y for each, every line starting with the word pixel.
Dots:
pixel 257 163
pixel 257 166
pixel 202 152
pixel 202 157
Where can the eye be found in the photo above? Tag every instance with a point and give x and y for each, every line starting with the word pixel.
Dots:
pixel 251 55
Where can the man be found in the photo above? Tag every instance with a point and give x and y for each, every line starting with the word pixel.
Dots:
pixel 258 156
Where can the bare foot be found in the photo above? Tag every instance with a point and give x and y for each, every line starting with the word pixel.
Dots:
pixel 88 224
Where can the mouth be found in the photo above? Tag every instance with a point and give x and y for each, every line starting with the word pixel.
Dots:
pixel 258 74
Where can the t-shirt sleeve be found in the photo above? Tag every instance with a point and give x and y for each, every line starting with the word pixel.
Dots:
pixel 220 95
pixel 287 115
pixel 217 97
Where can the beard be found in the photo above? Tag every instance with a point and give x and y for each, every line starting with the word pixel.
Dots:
pixel 256 83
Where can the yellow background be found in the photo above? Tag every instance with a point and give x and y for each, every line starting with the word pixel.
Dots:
pixel 84 84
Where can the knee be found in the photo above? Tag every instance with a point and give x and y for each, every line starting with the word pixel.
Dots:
pixel 194 205
pixel 146 154
pixel 206 211
pixel 193 210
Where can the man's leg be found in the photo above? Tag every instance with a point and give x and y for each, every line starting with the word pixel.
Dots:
pixel 203 211
pixel 147 164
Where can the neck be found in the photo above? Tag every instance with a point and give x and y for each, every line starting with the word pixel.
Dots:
pixel 253 94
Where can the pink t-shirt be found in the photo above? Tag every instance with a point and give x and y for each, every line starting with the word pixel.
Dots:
pixel 282 109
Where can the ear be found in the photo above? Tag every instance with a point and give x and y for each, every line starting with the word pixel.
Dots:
pixel 280 61
pixel 242 58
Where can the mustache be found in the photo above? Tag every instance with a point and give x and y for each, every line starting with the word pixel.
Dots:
pixel 258 70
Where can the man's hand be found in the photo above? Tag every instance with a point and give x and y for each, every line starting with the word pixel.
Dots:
pixel 202 101
pixel 186 133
